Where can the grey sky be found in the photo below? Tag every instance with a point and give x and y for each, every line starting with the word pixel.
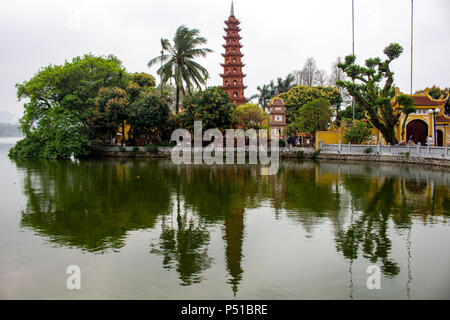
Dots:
pixel 278 35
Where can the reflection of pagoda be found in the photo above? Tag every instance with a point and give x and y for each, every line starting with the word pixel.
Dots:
pixel 234 238
pixel 233 78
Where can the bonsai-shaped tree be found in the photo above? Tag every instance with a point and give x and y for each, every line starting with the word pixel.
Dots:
pixel 372 86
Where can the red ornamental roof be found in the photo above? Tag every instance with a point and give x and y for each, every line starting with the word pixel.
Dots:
pixel 442 119
pixel 426 101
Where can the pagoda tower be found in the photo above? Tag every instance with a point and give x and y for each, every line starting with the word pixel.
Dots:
pixel 233 78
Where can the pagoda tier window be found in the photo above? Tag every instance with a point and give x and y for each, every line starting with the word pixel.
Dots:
pixel 234 70
pixel 235 94
pixel 235 82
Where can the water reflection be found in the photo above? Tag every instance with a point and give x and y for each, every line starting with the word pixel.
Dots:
pixel 93 205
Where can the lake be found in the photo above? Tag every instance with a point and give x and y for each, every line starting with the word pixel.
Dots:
pixel 148 229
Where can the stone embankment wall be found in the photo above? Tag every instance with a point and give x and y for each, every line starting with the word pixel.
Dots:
pixel 428 155
pixel 164 152
pixel 434 156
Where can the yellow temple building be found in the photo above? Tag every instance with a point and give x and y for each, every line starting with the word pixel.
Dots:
pixel 428 120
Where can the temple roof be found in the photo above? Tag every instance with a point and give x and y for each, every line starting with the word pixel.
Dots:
pixel 428 101
pixel 442 119
pixel 424 99
pixel 277 102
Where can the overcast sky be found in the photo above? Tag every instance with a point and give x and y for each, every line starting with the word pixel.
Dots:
pixel 278 35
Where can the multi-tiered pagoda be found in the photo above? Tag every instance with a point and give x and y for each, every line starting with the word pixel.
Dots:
pixel 233 78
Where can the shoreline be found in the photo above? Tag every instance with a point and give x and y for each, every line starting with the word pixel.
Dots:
pixel 164 153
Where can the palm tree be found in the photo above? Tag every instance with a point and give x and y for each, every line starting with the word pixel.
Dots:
pixel 264 95
pixel 177 61
pixel 267 92
pixel 286 84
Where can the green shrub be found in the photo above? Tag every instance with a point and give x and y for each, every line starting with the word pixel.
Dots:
pixel 153 148
pixel 122 149
pixel 315 154
pixel 300 154
pixel 358 132
pixel 166 144
pixel 282 143
pixel 368 150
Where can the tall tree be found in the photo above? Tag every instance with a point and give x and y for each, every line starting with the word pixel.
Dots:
pixel 320 78
pixel 372 86
pixel 267 92
pixel 336 75
pixel 309 72
pixel 212 106
pixel 283 85
pixel 149 115
pixel 178 62
pixel 298 96
pixel 60 104
pixel 314 116
pixel 110 112
pixel 264 95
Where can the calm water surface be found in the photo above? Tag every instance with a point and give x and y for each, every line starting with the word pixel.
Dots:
pixel 146 229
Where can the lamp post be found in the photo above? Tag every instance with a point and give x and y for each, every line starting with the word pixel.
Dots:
pixel 353 52
pixel 434 111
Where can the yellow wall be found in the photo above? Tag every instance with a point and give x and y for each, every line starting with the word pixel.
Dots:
pixel 127 131
pixel 336 135
pixel 332 136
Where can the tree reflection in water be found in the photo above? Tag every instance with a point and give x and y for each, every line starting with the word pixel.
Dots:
pixel 93 205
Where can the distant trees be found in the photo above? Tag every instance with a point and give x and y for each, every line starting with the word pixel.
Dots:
pixel 337 74
pixel 178 62
pixel 347 113
pixel 310 76
pixel 9 130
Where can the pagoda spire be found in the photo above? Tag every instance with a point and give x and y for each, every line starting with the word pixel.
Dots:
pixel 233 77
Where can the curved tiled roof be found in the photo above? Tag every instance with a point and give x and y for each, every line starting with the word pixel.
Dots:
pixel 423 99
pixel 442 119
pixel 427 101
pixel 277 102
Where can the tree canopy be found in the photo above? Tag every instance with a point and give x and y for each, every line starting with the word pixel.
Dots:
pixel 300 95
pixel 60 102
pixel 249 116
pixel 212 106
pixel 314 116
pixel 177 61
pixel 149 116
